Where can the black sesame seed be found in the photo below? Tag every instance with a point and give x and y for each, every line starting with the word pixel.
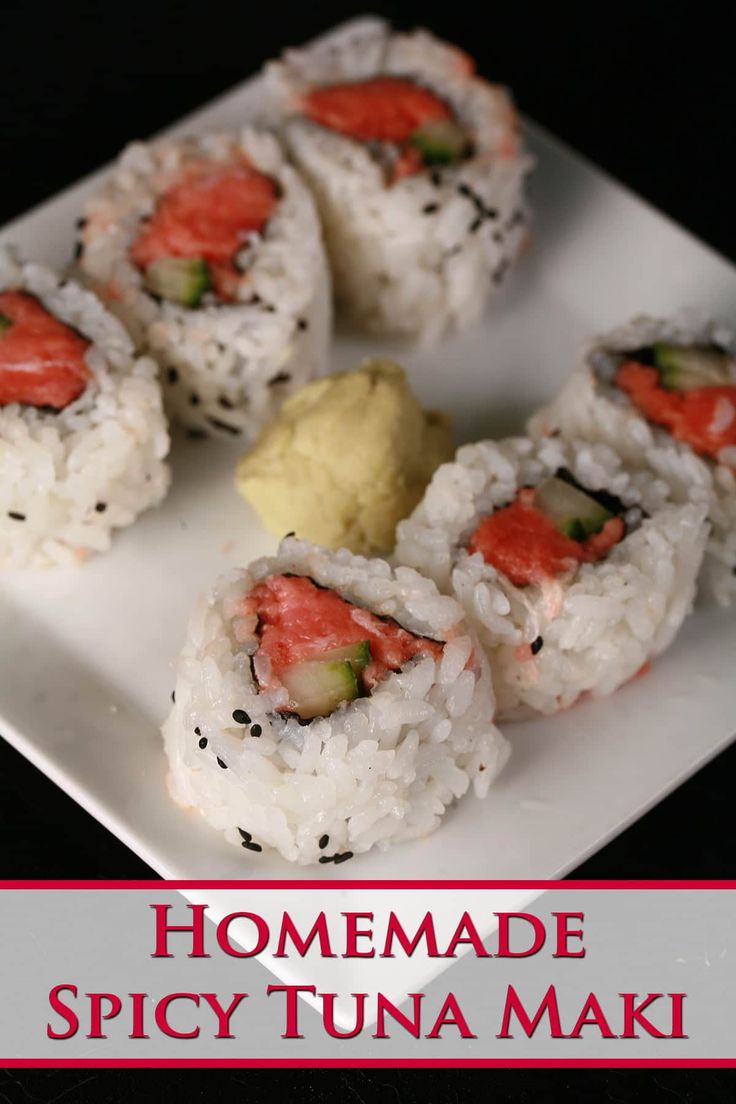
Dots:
pixel 172 375
pixel 302 324
pixel 246 835
pixel 291 533
pixel 344 857
pixel 490 212
pixel 225 402
pixel 221 764
pixel 196 435
pixel 499 272
pixel 203 743
pixel 537 645
pixel 194 399
pixel 101 507
pixel 198 731
pixel 323 841
pixel 465 190
pixel 475 225
pixel 251 846
pixel 430 208
pixel 326 858
pixel 80 223
pixel 173 695
pixel 256 730
pixel 78 249
pixel 16 516
pixel 280 377
pixel 241 717
pixel 436 178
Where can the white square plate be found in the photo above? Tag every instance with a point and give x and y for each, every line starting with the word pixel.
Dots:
pixel 85 654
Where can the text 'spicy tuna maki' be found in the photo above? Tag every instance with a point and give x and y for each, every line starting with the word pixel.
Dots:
pixel 326 704
pixel 417 168
pixel 575 572
pixel 663 394
pixel 82 433
pixel 209 250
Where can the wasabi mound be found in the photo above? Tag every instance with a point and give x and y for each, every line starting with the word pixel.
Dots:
pixel 346 458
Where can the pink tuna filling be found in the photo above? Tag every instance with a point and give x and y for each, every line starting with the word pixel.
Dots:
pixel 299 621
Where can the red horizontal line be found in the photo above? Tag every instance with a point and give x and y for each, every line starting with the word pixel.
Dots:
pixel 346 1063
pixel 155 884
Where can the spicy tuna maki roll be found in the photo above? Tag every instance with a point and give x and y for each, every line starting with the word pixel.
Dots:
pixel 575 572
pixel 82 433
pixel 326 704
pixel 209 250
pixel 663 394
pixel 417 168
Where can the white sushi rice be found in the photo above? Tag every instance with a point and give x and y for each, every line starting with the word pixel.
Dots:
pixel 225 366
pixel 419 256
pixel 377 771
pixel 69 477
pixel 588 408
pixel 599 628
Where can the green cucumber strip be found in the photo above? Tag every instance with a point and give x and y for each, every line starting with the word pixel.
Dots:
pixel 358 655
pixel 316 688
pixel 573 512
pixel 182 280
pixel 683 368
pixel 440 141
pixel 574 529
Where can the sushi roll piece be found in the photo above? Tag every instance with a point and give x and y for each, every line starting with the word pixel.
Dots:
pixel 82 431
pixel 574 572
pixel 326 704
pixel 209 250
pixel 662 392
pixel 418 171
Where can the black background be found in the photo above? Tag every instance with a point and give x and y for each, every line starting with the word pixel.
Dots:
pixel 644 89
